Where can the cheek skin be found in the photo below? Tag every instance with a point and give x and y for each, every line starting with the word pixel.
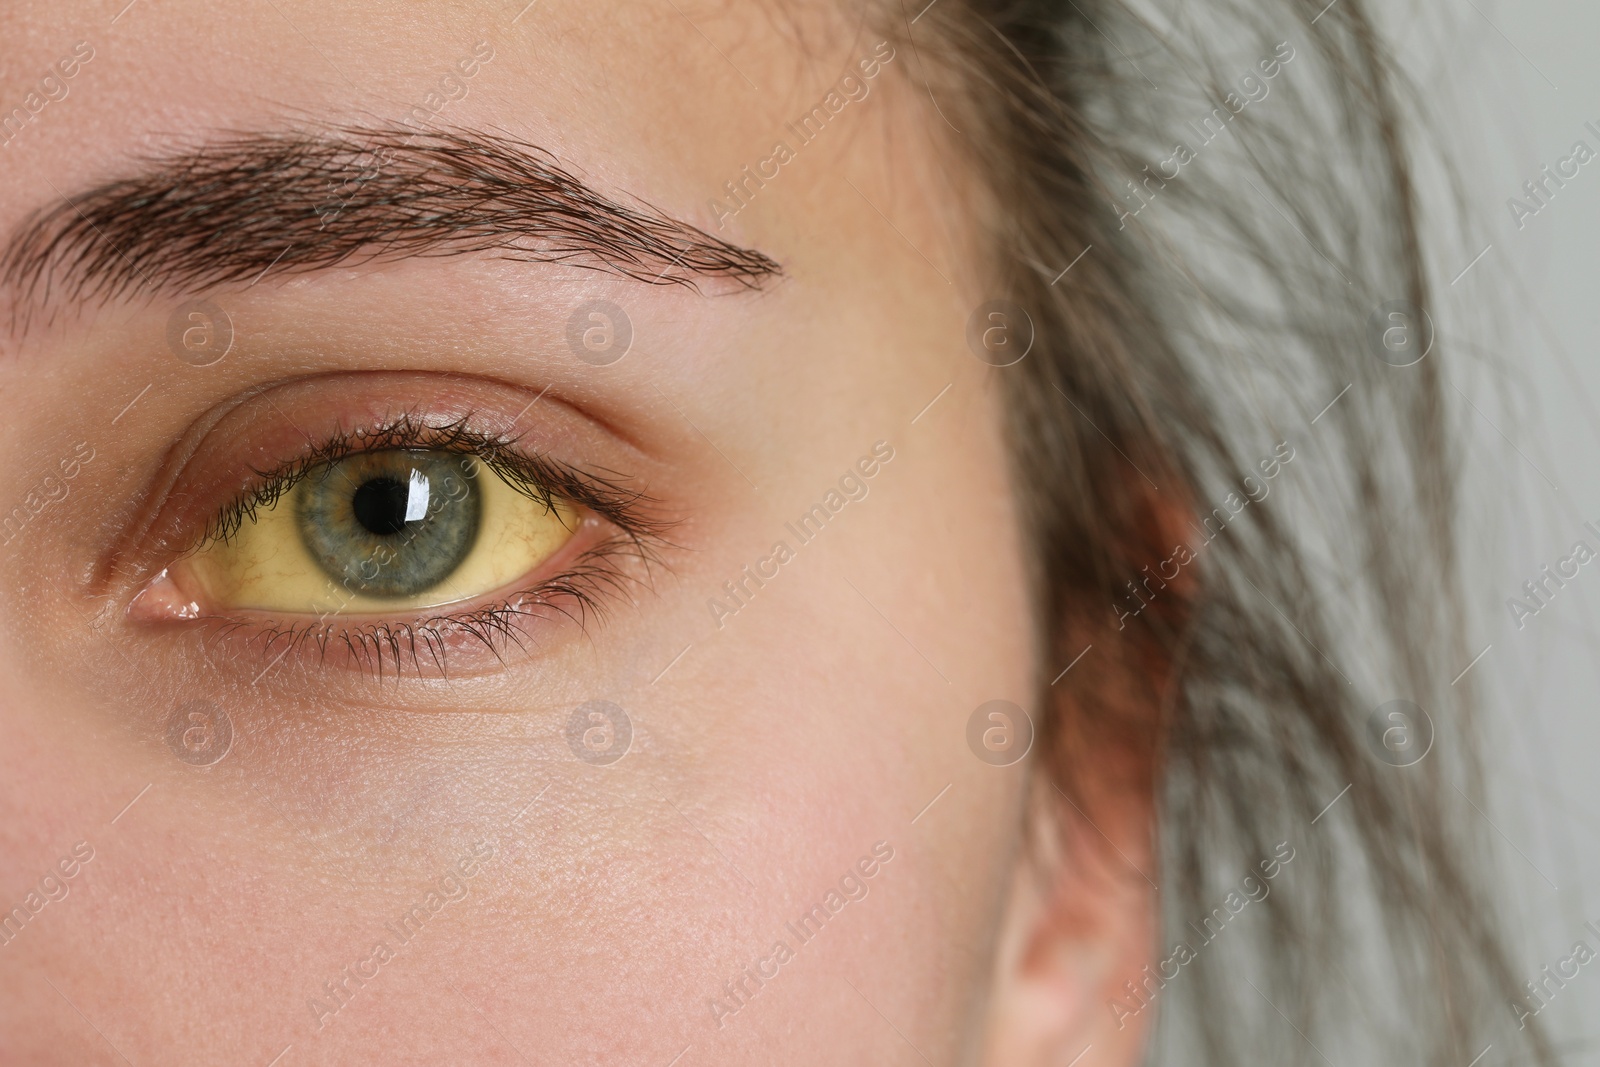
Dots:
pixel 768 759
pixel 853 733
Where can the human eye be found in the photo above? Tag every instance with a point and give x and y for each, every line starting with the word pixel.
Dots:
pixel 403 543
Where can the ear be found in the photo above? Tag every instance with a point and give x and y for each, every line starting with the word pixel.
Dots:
pixel 1080 924
pixel 1077 975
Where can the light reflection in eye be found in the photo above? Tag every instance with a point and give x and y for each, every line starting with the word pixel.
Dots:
pixel 417 496
pixel 380 531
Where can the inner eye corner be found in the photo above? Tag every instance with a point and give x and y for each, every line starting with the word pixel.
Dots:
pixel 555 538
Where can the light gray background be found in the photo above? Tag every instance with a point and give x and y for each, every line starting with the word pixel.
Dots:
pixel 1513 84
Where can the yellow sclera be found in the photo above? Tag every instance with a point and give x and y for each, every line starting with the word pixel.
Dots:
pixel 266 565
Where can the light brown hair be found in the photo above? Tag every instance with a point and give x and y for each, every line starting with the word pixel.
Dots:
pixel 1208 315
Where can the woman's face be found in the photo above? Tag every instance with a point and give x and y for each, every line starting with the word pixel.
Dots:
pixel 387 861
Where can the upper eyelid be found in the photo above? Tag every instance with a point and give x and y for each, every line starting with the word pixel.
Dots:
pixel 225 454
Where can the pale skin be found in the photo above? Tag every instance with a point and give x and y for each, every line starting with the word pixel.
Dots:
pixel 772 748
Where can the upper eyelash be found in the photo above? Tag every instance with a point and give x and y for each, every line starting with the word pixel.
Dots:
pixel 536 476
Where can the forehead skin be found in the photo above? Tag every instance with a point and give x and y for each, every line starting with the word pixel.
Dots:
pixel 769 754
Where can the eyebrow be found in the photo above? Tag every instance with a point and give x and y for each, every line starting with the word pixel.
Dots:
pixel 231 210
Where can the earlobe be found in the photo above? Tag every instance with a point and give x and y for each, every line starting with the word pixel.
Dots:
pixel 1079 926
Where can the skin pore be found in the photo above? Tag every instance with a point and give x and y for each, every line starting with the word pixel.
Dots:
pixel 609 908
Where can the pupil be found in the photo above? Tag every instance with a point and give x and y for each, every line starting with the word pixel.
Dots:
pixel 380 505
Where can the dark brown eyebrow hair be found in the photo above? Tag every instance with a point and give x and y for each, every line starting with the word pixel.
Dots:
pixel 290 202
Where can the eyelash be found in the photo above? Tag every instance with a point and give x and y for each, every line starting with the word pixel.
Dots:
pixel 581 592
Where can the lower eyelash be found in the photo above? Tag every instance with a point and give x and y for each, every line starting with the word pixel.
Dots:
pixel 582 592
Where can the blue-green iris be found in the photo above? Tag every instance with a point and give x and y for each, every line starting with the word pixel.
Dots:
pixel 391 523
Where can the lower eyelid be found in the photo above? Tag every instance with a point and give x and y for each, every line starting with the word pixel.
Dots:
pixel 462 639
